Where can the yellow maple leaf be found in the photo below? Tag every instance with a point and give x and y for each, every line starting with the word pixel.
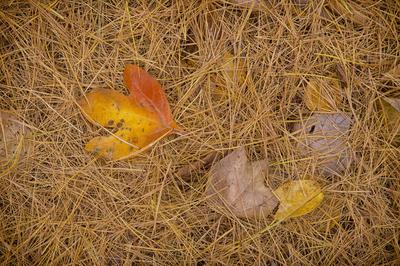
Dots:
pixel 140 119
pixel 322 95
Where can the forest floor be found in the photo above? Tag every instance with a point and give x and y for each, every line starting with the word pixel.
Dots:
pixel 61 205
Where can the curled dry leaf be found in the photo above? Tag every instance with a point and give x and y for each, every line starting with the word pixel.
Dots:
pixel 139 119
pixel 238 185
pixel 13 135
pixel 391 115
pixel 323 95
pixel 297 198
pixel 324 139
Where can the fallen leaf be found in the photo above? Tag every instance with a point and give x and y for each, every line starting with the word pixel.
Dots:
pixel 323 138
pixel 13 133
pixel 323 95
pixel 139 119
pixel 391 114
pixel 233 69
pixel 147 92
pixel 231 72
pixel 238 185
pixel 297 198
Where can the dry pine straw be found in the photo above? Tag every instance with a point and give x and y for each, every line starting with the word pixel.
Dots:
pixel 63 206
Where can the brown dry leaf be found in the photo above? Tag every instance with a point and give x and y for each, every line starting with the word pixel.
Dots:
pixel 323 138
pixel 391 114
pixel 238 185
pixel 323 95
pixel 297 198
pixel 13 134
pixel 349 10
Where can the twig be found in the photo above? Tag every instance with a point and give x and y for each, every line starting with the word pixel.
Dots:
pixel 341 75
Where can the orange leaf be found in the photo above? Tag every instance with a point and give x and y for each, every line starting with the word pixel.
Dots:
pixel 148 92
pixel 139 120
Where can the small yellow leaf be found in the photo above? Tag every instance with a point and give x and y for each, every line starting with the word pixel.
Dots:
pixel 297 198
pixel 234 69
pixel 322 95
pixel 231 72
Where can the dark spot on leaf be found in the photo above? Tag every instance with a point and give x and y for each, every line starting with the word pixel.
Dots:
pixel 143 129
pixel 134 139
pixel 110 122
pixel 116 106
